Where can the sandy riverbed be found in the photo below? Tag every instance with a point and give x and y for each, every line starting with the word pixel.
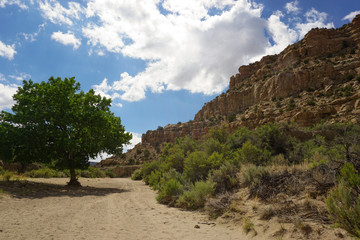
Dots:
pixel 103 209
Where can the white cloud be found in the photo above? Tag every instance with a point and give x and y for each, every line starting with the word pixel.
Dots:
pixel 136 138
pixel 119 105
pixel 20 76
pixel 314 19
pixel 19 3
pixel 7 51
pixel 281 34
pixel 56 13
pixel 6 93
pixel 292 7
pixel 183 48
pixel 351 16
pixel 66 39
pixel 191 45
pixel 32 36
pixel 2 77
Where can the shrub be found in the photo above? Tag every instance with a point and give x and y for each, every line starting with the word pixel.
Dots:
pixel 146 154
pixel 270 137
pixel 220 134
pixel 343 201
pixel 137 175
pixel 239 137
pixel 212 145
pixel 109 173
pixel 149 167
pixel 196 166
pixel 170 192
pixel 196 197
pixel 154 179
pixel 254 174
pixel 248 226
pixel 92 172
pixel 224 179
pixel 44 173
pixel 1 170
pixel 7 175
pixel 174 158
pixel 252 154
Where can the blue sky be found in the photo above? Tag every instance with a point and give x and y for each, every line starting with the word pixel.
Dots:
pixel 159 60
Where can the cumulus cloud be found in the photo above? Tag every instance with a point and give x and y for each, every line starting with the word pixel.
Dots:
pixel 182 48
pixel 191 45
pixel 66 39
pixel 281 34
pixel 7 51
pixel 136 138
pixel 314 19
pixel 20 76
pixel 56 13
pixel 292 7
pixel 19 3
pixel 351 16
pixel 6 93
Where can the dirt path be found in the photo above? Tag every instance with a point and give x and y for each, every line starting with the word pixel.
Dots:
pixel 104 209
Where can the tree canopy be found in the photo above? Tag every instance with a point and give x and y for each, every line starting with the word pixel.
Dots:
pixel 54 121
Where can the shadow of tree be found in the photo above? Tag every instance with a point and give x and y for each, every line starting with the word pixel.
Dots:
pixel 35 190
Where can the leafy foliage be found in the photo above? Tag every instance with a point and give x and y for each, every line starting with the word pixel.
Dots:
pixel 55 121
pixel 344 201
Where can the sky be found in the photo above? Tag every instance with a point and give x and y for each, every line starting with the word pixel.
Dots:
pixel 158 60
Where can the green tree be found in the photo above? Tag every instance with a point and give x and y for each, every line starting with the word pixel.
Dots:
pixel 54 121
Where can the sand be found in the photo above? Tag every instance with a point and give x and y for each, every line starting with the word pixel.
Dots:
pixel 104 209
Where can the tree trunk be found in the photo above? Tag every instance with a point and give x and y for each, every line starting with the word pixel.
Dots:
pixel 73 180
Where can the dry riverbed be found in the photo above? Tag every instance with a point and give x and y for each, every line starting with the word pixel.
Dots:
pixel 103 209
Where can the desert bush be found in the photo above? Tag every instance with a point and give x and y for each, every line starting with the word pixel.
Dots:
pixel 170 192
pixel 149 167
pixel 146 154
pixel 92 172
pixel 343 201
pixel 196 166
pixel 44 173
pixel 251 154
pixel 254 174
pixel 270 137
pixel 248 226
pixel 187 144
pixel 174 158
pixel 211 145
pixel 239 137
pixel 196 196
pixel 224 178
pixel 110 173
pixel 219 134
pixel 137 175
pixel 7 175
pixel 154 179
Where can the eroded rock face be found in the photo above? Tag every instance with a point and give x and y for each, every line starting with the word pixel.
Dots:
pixel 313 80
pixel 170 132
